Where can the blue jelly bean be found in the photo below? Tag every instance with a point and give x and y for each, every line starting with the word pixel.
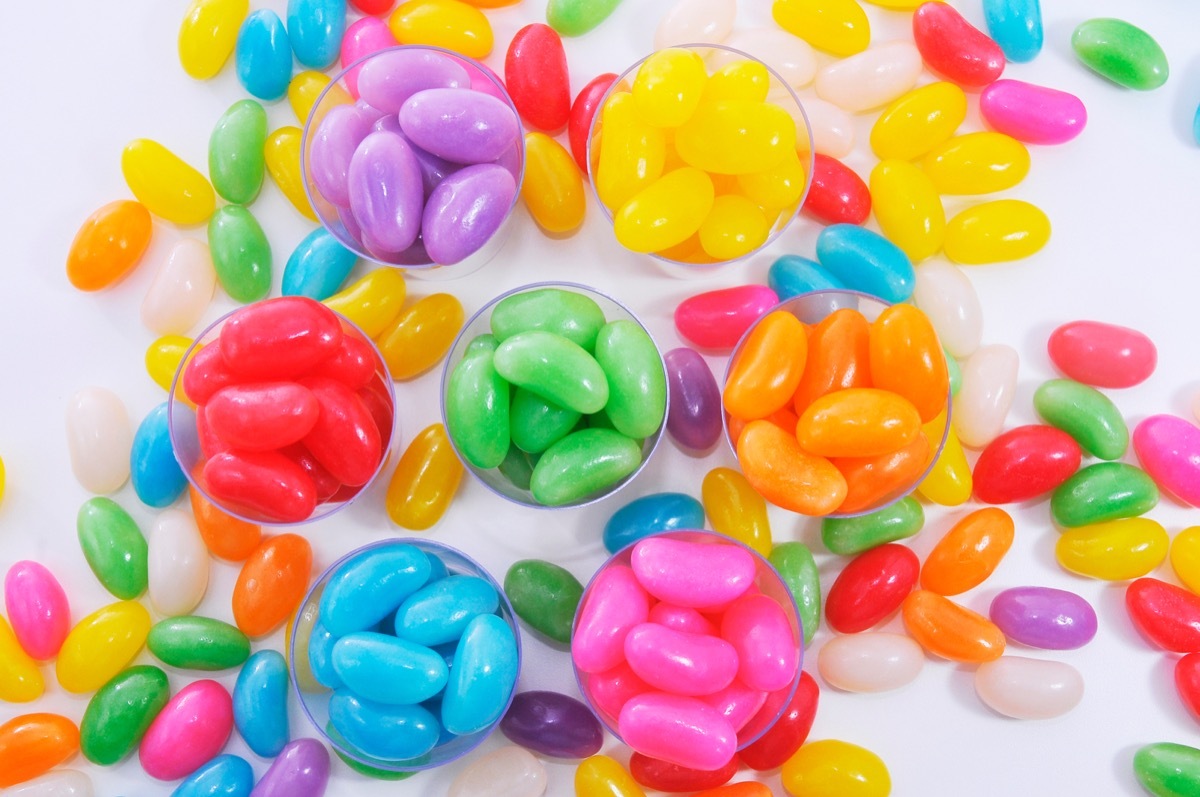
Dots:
pixel 438 612
pixel 390 733
pixel 1196 126
pixel 264 56
pixel 865 261
pixel 315 28
pixel 1015 25
pixel 792 275
pixel 157 478
pixel 318 266
pixel 650 514
pixel 371 586
pixel 482 676
pixel 320 656
pixel 260 703
pixel 385 669
pixel 223 776
pixel 437 569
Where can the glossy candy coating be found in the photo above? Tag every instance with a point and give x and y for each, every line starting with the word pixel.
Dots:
pixel 1166 615
pixel 181 290
pixel 864 260
pixel 283 164
pixel 190 730
pixel 425 480
pixel 906 358
pixel 767 368
pixel 830 768
pixel 449 24
pixel 482 675
pixel 872 78
pixel 56 783
pixel 224 776
pixel 870 662
pixel 1102 355
pixel 617 602
pixel 208 34
pixel 544 595
pixel 1168 447
pixel 1089 416
pixel 948 299
pixel 31 744
pixel 839 28
pixel 666 212
pixel 577 17
pixel 157 476
pixel 1187 682
pixel 535 74
pixel 395 732
pixel 264 56
pixel 553 186
pixel 951 631
pixel 37 609
pixel 388 670
pixel 953 47
pixel 682 730
pixel 236 161
pixel 837 195
pixel 870 588
pixel 601 776
pixel 315 29
pixel 1031 113
pixel 119 714
pixel 632 365
pixel 552 724
pixel 113 546
pixel 301 770
pixel 1166 769
pixel 853 535
pixel 680 662
pixel 1043 617
pixel 438 612
pixel 969 552
pixel 101 645
pixel 717 319
pixel 271 584
pixel 918 121
pixel 582 464
pixel 996 231
pixel 695 21
pixel 260 703
pixel 108 245
pixel 317 267
pixel 198 643
pixel 166 185
pixel 241 253
pixel 989 383
pixel 583 110
pixel 656 773
pixel 735 509
pixel 1025 462
pixel 178 564
pixel 363 37
pixel 1015 25
pixel 1121 52
pixel 99 438
pixel 1114 550
pixel 1103 491
pixel 1185 556
pixel 694 410
pixel 1025 688
pixel 908 208
pixel 977 163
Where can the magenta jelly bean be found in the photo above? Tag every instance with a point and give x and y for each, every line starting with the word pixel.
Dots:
pixel 278 339
pixel 333 147
pixel 465 210
pixel 679 662
pixel 768 649
pixel 389 80
pixel 616 603
pixel 367 35
pixel 611 690
pixel 680 618
pixel 694 412
pixel 190 730
pixel 37 609
pixel 682 730
pixel 1168 447
pixel 460 126
pixel 386 192
pixel 737 703
pixel 718 319
pixel 1102 355
pixel 1044 617
pixel 1031 113
pixel 692 574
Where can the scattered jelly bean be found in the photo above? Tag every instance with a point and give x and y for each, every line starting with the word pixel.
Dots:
pixel 948 481
pixel 792 59
pixel 198 643
pixel 792 275
pixel 31 744
pixel 425 480
pixel 1086 414
pixel 552 724
pixel 735 509
pixel 1031 113
pixel 1102 355
pixel 264 56
pixel 113 546
pixel 226 775
pixel 1165 614
pixel 301 770
pixel 870 662
pixel 651 514
pixel 1168 447
pixel 690 21
pixel 283 164
pixel 601 776
pixel 1015 25
pixel 120 713
pixel 177 564
pixel 157 477
pixel 953 47
pixel 681 730
pixel 553 186
pixel 718 319
pixel 832 129
pixel 908 208
pixel 421 335
pixel 1121 52
pixel 511 770
pixel 99 439
pixel 996 231
pixel 1185 556
pixel 236 152
pixel 1028 689
pixel 948 299
pixel 314 29
pixel 583 111
pixel 796 566
pixel 56 783
pixel 108 245
pixel 830 767
pixel 181 290
pixel 208 35
pixel 449 24
pixel 317 267
pixel 969 552
pixel 545 596
pixel 190 730
pixel 306 89
pixel 951 631
pixel 37 608
pixel 241 254
pixel 871 588
pixel 864 260
pixel 20 679
pixel 655 773
pixel 694 411
pixel 362 38
pixel 918 121
pixel 1166 769
pixel 1043 617
pixel 839 28
pixel 1115 550
pixel 166 185
pixel 271 584
pixel 1025 462
pixel 989 384
pixel 853 535
pixel 535 74
pixel 577 17
pixel 978 163
pixel 871 78
pixel 1187 682
pixel 1103 491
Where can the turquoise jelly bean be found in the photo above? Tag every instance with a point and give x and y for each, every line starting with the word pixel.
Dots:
pixel 583 463
pixel 535 423
pixel 555 368
pixel 1196 126
pixel 438 613
pixel 477 407
pixel 320 657
pixel 260 703
pixel 223 776
pixel 955 371
pixel 866 261
pixel 315 28
pixel 371 586
pixel 637 382
pixel 792 275
pixel 318 266
pixel 384 669
pixel 482 676
pixel 157 478
pixel 264 56
pixel 573 315
pixel 651 514
pixel 360 767
pixel 1015 25
pixel 390 733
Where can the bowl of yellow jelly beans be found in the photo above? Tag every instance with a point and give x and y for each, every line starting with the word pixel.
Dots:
pixel 837 403
pixel 699 155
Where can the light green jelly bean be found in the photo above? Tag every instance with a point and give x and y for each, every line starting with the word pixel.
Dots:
pixel 577 17
pixel 555 368
pixel 1121 52
pixel 1166 769
pixel 241 254
pixel 477 408
pixel 120 713
pixel 1086 414
pixel 573 315
pixel 481 344
pixel 1103 491
pixel 798 569
pixel 114 547
pixel 198 643
pixel 955 372
pixel 582 464
pixel 536 423
pixel 637 382
pixel 236 152
pixel 518 466
pixel 853 535
pixel 359 766
pixel 545 596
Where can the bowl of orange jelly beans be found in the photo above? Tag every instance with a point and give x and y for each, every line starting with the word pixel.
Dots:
pixel 837 403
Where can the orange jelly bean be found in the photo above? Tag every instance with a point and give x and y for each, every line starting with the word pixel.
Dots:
pixel 838 357
pixel 858 422
pixel 33 744
pixel 425 480
pixel 951 631
pixel 768 368
pixel 272 584
pixel 969 552
pixel 225 536
pixel 783 417
pixel 787 475
pixel 108 245
pixel 907 358
pixel 873 481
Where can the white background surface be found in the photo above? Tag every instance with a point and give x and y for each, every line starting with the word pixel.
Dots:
pixel 86 78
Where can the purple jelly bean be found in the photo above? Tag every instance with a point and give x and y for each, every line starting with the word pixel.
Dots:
pixel 301 770
pixel 1043 617
pixel 694 414
pixel 332 148
pixel 460 125
pixel 386 196
pixel 552 724
pixel 388 123
pixel 465 210
pixel 433 168
pixel 389 79
pixel 370 111
pixel 347 220
pixel 511 159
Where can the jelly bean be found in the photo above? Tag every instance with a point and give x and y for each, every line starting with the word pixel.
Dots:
pixel 871 78
pixel 1187 682
pixel 384 669
pixel 735 509
pixel 694 411
pixel 997 231
pixel 306 89
pixel 236 152
pixel 870 662
pixel 261 416
pixel 363 37
pixel 241 253
pixel 908 208
pixel 1024 463
pixel 271 584
pixel 99 438
pixel 610 690
pixel 656 773
pixel 1168 447
pixel 1165 769
pixel 736 226
pixel 108 245
pixel 906 358
pixel 949 301
pixel 1165 614
pixel 157 477
pixel 717 319
pixel 796 566
pixel 582 464
pixel 465 211
pixel 483 674
pixel 692 574
pixel 767 647
pixel 1103 491
pixel 950 631
pixel 601 776
pixel 840 28
pixel 680 730
pixel 1185 556
pixel 189 731
pixel 792 275
pixel 555 368
pixel 165 185
pixel 317 267
pixel 953 47
pixel 989 384
pixel 372 302
pixel 390 732
pixel 420 335
pixel 345 439
pixel 744 788
pixel 264 484
pixel 1015 25
pixel 552 724
pixel 301 770
pixel 477 410
pixel 333 146
pixel 545 596
pixel 512 770
pixel 837 194
pixel 577 17
pixel 853 535
pixel 264 56
pixel 282 155
pixel 1043 617
pixel 679 662
pixel 1115 550
pixel 787 475
pixel 691 621
pixel 969 552
pixel 864 260
pixel 689 21
pixel 438 612
pixel 874 481
pixel 119 714
pixel 616 603
pixel 385 192
pixel 320 657
pixel 571 315
pixel 20 679
pixel 583 111
pixel 767 368
pixel 314 29
pixel 783 738
pixel 31 744
pixel 1028 689
pixel 632 365
pixel 1033 114
pixel 226 775
pixel 736 137
pixel 831 767
pixel 857 422
pixel 181 290
pixel 666 212
pixel 792 60
pixel 208 35
pixel 948 481
pixel 631 153
pixel 425 480
pixel 1102 355
pixel 56 783
pixel 449 24
pixel 918 121
pixel 37 608
pixel 977 163
pixel 1120 52
pixel 535 74
pixel 260 703
pixel 839 351
pixel 300 631
pixel 113 546
pixel 225 536
pixel 198 643
pixel 668 86
pixel 382 6
pixel 536 423
pixel 391 79
pixel 177 564
pixel 553 187
pixel 651 514
pixel 871 588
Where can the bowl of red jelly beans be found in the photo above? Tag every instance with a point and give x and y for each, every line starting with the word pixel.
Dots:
pixel 413 157
pixel 837 403
pixel 699 154
pixel 687 645
pixel 281 412
pixel 554 395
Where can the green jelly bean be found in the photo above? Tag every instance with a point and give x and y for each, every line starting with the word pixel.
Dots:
pixel 536 423
pixel 360 767
pixel 582 464
pixel 555 368
pixel 955 371
pixel 114 547
pixel 853 535
pixel 1123 53
pixel 577 17
pixel 481 344
pixel 637 381
pixel 545 596
pixel 798 569
pixel 1168 770
pixel 477 408
pixel 517 467
pixel 574 316
pixel 1086 414
pixel 1103 491
pixel 237 152
pixel 198 643
pixel 120 713
pixel 241 254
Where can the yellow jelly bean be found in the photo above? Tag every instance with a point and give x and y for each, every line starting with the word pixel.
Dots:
pixel 209 34
pixel 373 301
pixel 601 776
pixel 899 5
pixel 949 481
pixel 977 163
pixel 690 251
pixel 283 164
pixel 421 335
pixel 733 227
pixel 165 184
pixel 553 185
pixel 735 509
pixel 736 137
pixel 833 768
pixel 632 153
pixel 163 358
pixel 666 212
pixel 1185 557
pixel 304 90
pixel 451 24
pixel 101 645
pixel 1114 551
pixel 20 679
pixel 839 27
pixel 993 232
pixel 425 480
pixel 668 87
pixel 908 208
pixel 748 81
pixel 779 188
pixel 918 121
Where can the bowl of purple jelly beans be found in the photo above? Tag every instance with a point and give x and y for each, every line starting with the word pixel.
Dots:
pixel 423 167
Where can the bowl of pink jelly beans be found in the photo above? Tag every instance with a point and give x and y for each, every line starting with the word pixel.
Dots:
pixel 699 154
pixel 688 647
pixel 413 157
pixel 837 403
pixel 281 412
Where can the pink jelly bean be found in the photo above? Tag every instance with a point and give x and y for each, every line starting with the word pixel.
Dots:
pixel 1033 114
pixel 718 319
pixel 681 730
pixel 768 649
pixel 610 690
pixel 692 574
pixel 679 662
pixel 190 730
pixel 368 35
pixel 37 609
pixel 737 703
pixel 388 80
pixel 680 618
pixel 1102 355
pixel 1168 448
pixel 616 603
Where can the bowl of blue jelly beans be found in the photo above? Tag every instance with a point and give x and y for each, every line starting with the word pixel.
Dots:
pixel 405 655
pixel 413 157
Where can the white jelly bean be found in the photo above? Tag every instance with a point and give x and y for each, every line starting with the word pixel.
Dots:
pixel 696 21
pixel 832 128
pixel 872 78
pixel 99 439
pixel 989 382
pixel 512 771
pixel 1029 689
pixel 57 783
pixel 870 662
pixel 945 293
pixel 181 290
pixel 792 58
pixel 178 563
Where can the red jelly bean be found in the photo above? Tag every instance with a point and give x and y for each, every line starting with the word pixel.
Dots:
pixel 261 484
pixel 954 47
pixel 871 588
pixel 280 338
pixel 353 364
pixel 1187 681
pixel 210 443
pixel 535 73
pixel 837 194
pixel 1167 615
pixel 375 7
pixel 324 482
pixel 1102 355
pixel 579 125
pixel 1024 463
pixel 718 319
pixel 654 773
pixel 785 737
pixel 206 373
pixel 379 403
pixel 261 416
pixel 345 438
